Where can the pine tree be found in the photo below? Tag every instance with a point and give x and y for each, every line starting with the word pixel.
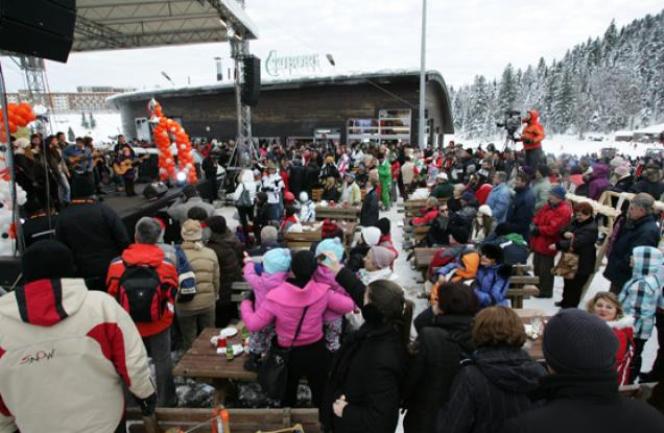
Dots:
pixel 562 108
pixel 84 121
pixel 508 91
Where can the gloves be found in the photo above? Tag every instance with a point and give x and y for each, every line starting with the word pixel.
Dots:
pixel 534 231
pixel 147 405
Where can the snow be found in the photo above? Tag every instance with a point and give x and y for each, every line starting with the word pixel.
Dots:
pixel 654 129
pixel 108 126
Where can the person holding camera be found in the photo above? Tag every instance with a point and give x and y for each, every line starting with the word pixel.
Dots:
pixel 532 137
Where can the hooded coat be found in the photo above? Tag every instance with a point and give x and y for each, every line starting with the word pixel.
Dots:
pixel 491 284
pixel 533 133
pixel 521 211
pixel 550 220
pixel 599 181
pixel 491 387
pixel 442 342
pixel 229 252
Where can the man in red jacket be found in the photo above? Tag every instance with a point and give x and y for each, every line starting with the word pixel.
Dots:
pixel 547 225
pixel 156 334
pixel 532 137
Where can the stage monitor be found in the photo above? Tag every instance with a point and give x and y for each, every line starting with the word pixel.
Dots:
pixel 251 75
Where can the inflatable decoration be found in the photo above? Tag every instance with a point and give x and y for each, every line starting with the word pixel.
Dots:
pixel 165 132
pixel 19 116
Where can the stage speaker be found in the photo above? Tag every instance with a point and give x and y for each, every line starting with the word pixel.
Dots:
pixel 39 28
pixel 251 77
pixel 155 190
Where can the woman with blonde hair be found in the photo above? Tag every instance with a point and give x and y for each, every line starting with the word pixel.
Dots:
pixel 606 306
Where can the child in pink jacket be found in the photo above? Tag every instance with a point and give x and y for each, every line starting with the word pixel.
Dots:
pixel 276 264
pixel 299 299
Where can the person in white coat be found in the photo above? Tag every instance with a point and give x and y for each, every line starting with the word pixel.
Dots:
pixel 244 198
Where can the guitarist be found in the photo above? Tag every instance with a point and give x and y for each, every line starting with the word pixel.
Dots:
pixel 124 167
pixel 79 161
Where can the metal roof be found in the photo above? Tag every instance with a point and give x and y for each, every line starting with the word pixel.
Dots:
pixel 120 24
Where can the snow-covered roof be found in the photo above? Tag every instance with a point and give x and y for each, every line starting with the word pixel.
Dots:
pixel 653 129
pixel 623 134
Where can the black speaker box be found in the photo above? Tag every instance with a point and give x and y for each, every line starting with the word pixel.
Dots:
pixel 155 190
pixel 39 28
pixel 251 86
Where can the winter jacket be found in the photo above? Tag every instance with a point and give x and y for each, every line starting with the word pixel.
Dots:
pixel 329 170
pixel 179 210
pixel 599 181
pixel 152 256
pixel 296 178
pixel 368 369
pixel 624 184
pixel 499 201
pixel 351 194
pixel 549 221
pixel 369 211
pixel 263 283
pixel 324 275
pixel 284 306
pixel 628 235
pixel 521 212
pixel 205 265
pixel 64 355
pixel 229 251
pixel 491 284
pixel 585 235
pixel 246 183
pixel 641 294
pixel 39 227
pixel 94 233
pixel 442 342
pixel 491 387
pixel 515 248
pixel 655 189
pixel 482 193
pixel 443 190
pixel 408 172
pixel 623 329
pixel 541 190
pixel 582 404
pixel 426 219
pixel 533 134
pixel 272 185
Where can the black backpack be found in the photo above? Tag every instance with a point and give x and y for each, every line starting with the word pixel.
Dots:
pixel 140 293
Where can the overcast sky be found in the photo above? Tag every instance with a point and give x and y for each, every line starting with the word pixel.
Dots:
pixel 464 38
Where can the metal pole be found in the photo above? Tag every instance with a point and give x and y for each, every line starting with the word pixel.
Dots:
pixel 420 130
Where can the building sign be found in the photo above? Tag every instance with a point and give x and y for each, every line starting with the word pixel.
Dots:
pixel 277 66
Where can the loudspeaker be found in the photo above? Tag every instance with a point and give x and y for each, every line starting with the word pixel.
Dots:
pixel 251 77
pixel 155 190
pixel 39 28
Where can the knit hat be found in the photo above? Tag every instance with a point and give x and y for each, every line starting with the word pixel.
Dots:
pixel 441 176
pixel 47 259
pixel 493 252
pixel 191 231
pixel 579 342
pixel 277 260
pixel 459 234
pixel 303 265
pixel 384 225
pixel 485 210
pixel 82 187
pixel 382 257
pixel 623 170
pixel 269 233
pixel 217 224
pixel 468 197
pixel 332 245
pixel 558 191
pixel 371 235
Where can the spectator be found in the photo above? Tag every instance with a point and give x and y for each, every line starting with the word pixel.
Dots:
pixel 385 178
pixel 484 224
pixel 408 173
pixel 443 188
pixel 492 280
pixel 640 297
pixel 296 179
pixel 351 194
pixel 541 186
pixel 598 181
pixel 229 251
pixel 500 197
pixel 454 203
pixel 369 211
pixel 244 198
pixel 40 223
pixel 492 386
pixel 272 184
pixel 262 218
pixel 522 208
pixel 329 169
pixel 290 220
pixel 369 237
pixel 189 198
pixel 198 313
pixel 330 190
pixel 579 238
pixel 547 225
pixel 94 233
pixel 87 344
pixel 386 236
pixel 378 265
pixel 299 300
pixel 128 277
pixel 443 340
pixel 582 389
pixel 465 258
pixel 532 136
pixel 651 182
pixel 624 178
pixel 639 228
pixel 307 209
pixel 606 306
pixel 429 213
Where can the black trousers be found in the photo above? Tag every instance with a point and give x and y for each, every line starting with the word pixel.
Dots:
pixel 246 214
pixel 129 186
pixel 312 362
pixel 572 291
pixel 542 267
pixel 534 157
pixel 658 366
pixel 635 368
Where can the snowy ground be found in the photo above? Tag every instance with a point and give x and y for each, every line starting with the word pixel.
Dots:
pixel 107 128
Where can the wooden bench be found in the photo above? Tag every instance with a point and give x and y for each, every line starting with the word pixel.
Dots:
pixel 241 420
pixel 303 240
pixel 238 290
pixel 338 213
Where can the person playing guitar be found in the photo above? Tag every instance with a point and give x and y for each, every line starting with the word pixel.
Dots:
pixel 79 160
pixel 123 166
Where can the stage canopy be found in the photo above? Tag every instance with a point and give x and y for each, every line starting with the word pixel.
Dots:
pixel 119 24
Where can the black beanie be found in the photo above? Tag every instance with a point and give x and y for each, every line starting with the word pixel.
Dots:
pixel 384 225
pixel 579 342
pixel 460 234
pixel 217 224
pixel 493 252
pixel 47 259
pixel 303 265
pixel 82 187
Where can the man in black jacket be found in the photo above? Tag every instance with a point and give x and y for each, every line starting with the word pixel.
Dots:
pixel 638 229
pixel 581 394
pixel 369 211
pixel 522 209
pixel 94 233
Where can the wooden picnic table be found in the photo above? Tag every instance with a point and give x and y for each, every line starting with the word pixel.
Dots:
pixel 202 362
pixel 350 213
pixel 313 233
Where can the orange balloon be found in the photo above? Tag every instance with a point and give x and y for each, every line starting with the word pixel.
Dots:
pixel 12 127
pixel 20 120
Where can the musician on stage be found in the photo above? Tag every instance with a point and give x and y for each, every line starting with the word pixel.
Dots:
pixel 123 167
pixel 79 161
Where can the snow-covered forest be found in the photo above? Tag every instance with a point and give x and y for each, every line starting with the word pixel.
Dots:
pixel 604 84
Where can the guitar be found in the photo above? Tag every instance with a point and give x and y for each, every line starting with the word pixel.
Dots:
pixel 120 168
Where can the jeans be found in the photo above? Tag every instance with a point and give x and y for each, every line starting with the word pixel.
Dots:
pixel 159 349
pixel 192 325
pixel 542 266
pixel 312 362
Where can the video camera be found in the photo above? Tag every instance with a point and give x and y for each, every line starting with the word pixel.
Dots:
pixel 511 122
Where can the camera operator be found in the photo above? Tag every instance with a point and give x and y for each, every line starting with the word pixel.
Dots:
pixel 532 137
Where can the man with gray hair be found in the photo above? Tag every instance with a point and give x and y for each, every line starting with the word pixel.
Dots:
pixel 141 274
pixel 638 228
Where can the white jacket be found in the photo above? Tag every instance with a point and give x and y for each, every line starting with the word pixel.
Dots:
pixel 272 185
pixel 247 182
pixel 62 364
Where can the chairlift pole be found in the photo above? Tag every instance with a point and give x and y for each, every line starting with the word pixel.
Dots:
pixel 420 124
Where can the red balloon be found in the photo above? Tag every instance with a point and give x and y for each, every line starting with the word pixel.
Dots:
pixel 12 127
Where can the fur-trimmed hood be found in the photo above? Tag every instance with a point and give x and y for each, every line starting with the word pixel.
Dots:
pixel 622 323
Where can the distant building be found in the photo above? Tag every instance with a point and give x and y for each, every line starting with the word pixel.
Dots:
pixel 85 99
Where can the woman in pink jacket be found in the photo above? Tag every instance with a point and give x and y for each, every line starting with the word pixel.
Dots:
pixel 299 298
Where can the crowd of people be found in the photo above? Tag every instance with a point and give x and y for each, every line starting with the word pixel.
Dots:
pixel 96 302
